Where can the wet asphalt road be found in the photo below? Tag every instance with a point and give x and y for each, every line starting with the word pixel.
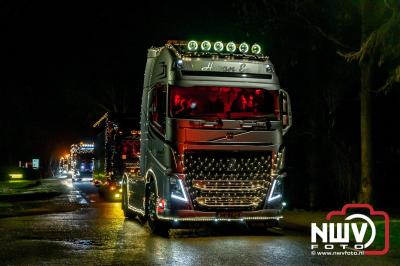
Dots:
pixel 99 235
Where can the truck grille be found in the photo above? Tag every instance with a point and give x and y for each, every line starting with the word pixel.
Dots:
pixel 228 180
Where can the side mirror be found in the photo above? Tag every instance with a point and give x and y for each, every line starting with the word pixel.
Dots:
pixel 286 111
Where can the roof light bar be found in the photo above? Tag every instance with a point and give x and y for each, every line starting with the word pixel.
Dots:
pixel 219 47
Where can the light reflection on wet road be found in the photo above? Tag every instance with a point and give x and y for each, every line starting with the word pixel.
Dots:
pixel 100 235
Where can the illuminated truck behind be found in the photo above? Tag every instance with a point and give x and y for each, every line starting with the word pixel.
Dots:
pixel 82 161
pixel 117 152
pixel 213 117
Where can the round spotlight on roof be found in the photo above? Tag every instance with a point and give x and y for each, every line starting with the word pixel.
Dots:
pixel 192 46
pixel 231 47
pixel 256 48
pixel 243 47
pixel 206 46
pixel 218 46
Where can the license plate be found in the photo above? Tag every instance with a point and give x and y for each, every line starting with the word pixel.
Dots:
pixel 229 215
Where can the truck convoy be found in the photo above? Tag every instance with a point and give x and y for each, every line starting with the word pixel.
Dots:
pixel 117 152
pixel 213 117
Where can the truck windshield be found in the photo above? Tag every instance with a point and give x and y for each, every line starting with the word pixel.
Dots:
pixel 130 149
pixel 85 157
pixel 223 102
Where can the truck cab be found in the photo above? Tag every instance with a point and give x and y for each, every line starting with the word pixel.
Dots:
pixel 82 161
pixel 213 117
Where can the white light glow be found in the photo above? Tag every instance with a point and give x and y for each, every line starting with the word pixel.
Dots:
pixel 271 198
pixel 184 198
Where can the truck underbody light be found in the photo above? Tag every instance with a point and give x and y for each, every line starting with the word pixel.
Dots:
pixel 211 219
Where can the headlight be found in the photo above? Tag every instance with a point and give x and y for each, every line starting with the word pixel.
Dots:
pixel 276 190
pixel 177 190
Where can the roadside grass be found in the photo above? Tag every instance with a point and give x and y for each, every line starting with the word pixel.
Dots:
pixel 379 242
pixel 15 186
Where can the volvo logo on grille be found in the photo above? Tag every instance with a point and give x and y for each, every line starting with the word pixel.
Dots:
pixel 229 135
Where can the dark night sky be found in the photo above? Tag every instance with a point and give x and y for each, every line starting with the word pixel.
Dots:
pixel 60 59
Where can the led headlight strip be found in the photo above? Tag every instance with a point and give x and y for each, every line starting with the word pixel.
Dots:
pixel 182 189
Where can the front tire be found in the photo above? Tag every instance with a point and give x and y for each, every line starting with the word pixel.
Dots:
pixel 156 226
pixel 127 213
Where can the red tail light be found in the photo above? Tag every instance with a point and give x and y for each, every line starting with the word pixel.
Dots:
pixel 161 205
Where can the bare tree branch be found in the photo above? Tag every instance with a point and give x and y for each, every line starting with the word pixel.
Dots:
pixel 103 107
pixel 394 77
pixel 326 35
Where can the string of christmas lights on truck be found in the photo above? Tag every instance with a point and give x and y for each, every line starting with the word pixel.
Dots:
pixel 213 118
